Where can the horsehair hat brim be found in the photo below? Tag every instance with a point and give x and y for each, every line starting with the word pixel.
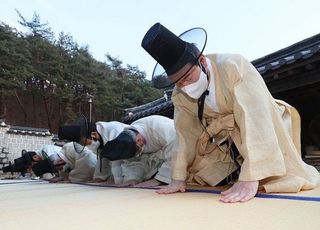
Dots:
pixel 83 123
pixel 78 130
pixel 86 128
pixel 172 52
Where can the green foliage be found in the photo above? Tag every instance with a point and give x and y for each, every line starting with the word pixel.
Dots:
pixel 58 69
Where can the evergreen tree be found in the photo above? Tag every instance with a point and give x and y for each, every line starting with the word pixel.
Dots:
pixel 58 74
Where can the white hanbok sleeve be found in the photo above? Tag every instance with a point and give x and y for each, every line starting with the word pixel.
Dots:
pixel 84 167
pixel 102 170
pixel 141 168
pixel 134 169
pixel 164 170
pixel 108 131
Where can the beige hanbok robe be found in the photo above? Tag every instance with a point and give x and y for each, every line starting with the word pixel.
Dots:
pixel 79 166
pixel 265 131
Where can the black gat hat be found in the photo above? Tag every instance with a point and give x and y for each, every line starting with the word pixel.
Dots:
pixel 172 52
pixel 78 131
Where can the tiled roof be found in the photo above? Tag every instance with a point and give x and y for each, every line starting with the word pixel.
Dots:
pixel 29 131
pixel 156 108
pixel 300 51
pixel 146 106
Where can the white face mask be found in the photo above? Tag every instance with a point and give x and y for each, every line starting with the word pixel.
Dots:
pixel 196 89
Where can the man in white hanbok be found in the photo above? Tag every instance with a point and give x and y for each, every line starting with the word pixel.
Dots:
pixel 71 165
pixel 152 140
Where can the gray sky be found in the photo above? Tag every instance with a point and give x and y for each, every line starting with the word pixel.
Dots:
pixel 252 28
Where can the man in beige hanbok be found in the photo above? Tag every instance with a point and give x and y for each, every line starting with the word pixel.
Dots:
pixel 222 101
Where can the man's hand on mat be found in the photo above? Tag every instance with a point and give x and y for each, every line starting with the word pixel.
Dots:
pixel 148 183
pixel 173 187
pixel 241 191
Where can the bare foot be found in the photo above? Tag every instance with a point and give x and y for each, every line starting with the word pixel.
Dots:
pixel 148 183
pixel 241 191
pixel 173 187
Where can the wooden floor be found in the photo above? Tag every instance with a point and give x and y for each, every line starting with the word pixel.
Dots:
pixel 40 205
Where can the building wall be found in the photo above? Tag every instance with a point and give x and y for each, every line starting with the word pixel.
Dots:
pixel 12 144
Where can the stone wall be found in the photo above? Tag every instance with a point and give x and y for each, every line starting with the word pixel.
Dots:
pixel 12 143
